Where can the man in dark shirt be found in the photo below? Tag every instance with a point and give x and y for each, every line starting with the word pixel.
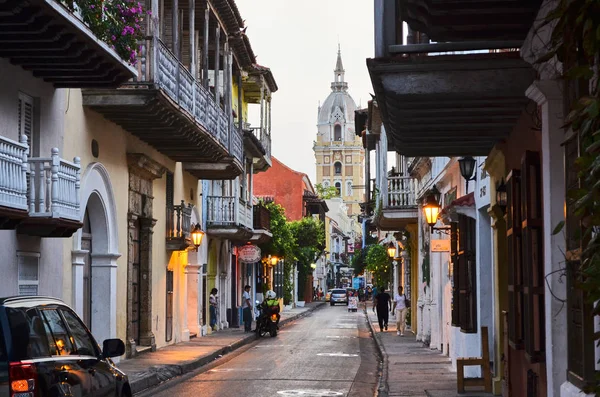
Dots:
pixel 383 303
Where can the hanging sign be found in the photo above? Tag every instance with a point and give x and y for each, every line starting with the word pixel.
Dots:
pixel 440 245
pixel 249 254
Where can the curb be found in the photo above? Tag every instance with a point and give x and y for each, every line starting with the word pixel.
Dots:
pixel 382 388
pixel 161 373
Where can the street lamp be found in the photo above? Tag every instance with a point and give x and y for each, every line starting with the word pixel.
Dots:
pixel 502 195
pixel 273 260
pixel 432 210
pixel 197 235
pixel 391 250
pixel 467 168
pixel 313 266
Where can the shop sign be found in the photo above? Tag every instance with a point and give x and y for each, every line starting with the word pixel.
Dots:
pixel 249 254
pixel 440 245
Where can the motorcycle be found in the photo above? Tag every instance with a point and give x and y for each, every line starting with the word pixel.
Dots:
pixel 267 320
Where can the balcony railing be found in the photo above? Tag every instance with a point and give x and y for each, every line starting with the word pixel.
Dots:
pixel 161 66
pixel 13 173
pixel 221 210
pixel 262 218
pixel 228 211
pixel 264 138
pixel 54 187
pixel 179 221
pixel 400 192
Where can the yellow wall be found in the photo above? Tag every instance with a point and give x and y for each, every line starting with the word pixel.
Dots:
pixel 83 125
pixel 234 99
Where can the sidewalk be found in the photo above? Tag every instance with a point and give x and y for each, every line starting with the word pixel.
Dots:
pixel 409 369
pixel 150 369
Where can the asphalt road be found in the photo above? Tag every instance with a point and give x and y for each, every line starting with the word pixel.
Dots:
pixel 328 353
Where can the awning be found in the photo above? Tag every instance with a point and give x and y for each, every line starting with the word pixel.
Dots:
pixel 464 205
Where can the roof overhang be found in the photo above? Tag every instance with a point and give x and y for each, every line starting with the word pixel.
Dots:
pixel 44 37
pixel 460 20
pixel 450 105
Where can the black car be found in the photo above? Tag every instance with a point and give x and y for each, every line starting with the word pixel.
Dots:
pixel 47 351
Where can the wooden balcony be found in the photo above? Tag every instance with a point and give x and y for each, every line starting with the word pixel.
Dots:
pixel 450 104
pixel 262 225
pixel 460 20
pixel 171 111
pixel 179 227
pixel 44 37
pixel 257 142
pixel 398 205
pixel 229 218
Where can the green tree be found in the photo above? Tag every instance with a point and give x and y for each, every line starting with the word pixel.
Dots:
pixel 326 192
pixel 309 237
pixel 378 263
pixel 281 245
pixel 359 261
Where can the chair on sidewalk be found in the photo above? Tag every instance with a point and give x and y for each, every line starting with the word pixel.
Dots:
pixel 483 362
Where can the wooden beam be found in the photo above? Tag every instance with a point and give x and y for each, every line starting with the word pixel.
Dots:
pixel 205 49
pixel 217 64
pixel 192 33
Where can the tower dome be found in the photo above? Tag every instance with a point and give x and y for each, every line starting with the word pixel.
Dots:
pixel 339 105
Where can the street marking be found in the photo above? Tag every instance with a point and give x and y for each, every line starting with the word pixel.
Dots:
pixel 310 393
pixel 235 370
pixel 337 355
pixel 341 336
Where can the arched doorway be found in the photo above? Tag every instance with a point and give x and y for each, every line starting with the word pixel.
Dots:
pixel 94 271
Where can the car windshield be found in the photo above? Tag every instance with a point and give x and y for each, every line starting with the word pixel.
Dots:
pixel 338 292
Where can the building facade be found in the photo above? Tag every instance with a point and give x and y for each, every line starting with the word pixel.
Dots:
pixel 110 232
pixel 339 154
pixel 497 108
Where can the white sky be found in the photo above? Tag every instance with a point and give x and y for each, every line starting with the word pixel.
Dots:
pixel 298 40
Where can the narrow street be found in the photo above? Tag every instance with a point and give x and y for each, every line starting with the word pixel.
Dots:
pixel 329 353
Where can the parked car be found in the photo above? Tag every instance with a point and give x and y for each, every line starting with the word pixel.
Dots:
pixel 328 296
pixel 46 350
pixel 338 295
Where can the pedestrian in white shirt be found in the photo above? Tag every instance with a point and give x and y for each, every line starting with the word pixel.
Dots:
pixel 401 304
pixel 247 309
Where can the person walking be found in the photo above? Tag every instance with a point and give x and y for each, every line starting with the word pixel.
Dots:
pixel 247 309
pixel 213 301
pixel 383 303
pixel 400 309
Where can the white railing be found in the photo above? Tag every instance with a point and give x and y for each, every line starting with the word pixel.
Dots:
pixel 221 210
pixel 13 173
pixel 264 138
pixel 162 66
pixel 245 215
pixel 400 192
pixel 54 187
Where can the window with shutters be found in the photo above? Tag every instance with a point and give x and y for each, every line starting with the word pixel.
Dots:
pixel 26 122
pixel 533 257
pixel 515 265
pixel 464 295
pixel 28 264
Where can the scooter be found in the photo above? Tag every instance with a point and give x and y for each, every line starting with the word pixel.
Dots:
pixel 267 320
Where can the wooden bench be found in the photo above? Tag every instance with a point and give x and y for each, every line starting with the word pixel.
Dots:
pixel 483 362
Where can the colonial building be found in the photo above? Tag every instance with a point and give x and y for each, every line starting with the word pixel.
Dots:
pixel 339 154
pixel 158 149
pixel 476 106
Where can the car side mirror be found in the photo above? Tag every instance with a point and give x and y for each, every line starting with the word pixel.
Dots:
pixel 113 348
